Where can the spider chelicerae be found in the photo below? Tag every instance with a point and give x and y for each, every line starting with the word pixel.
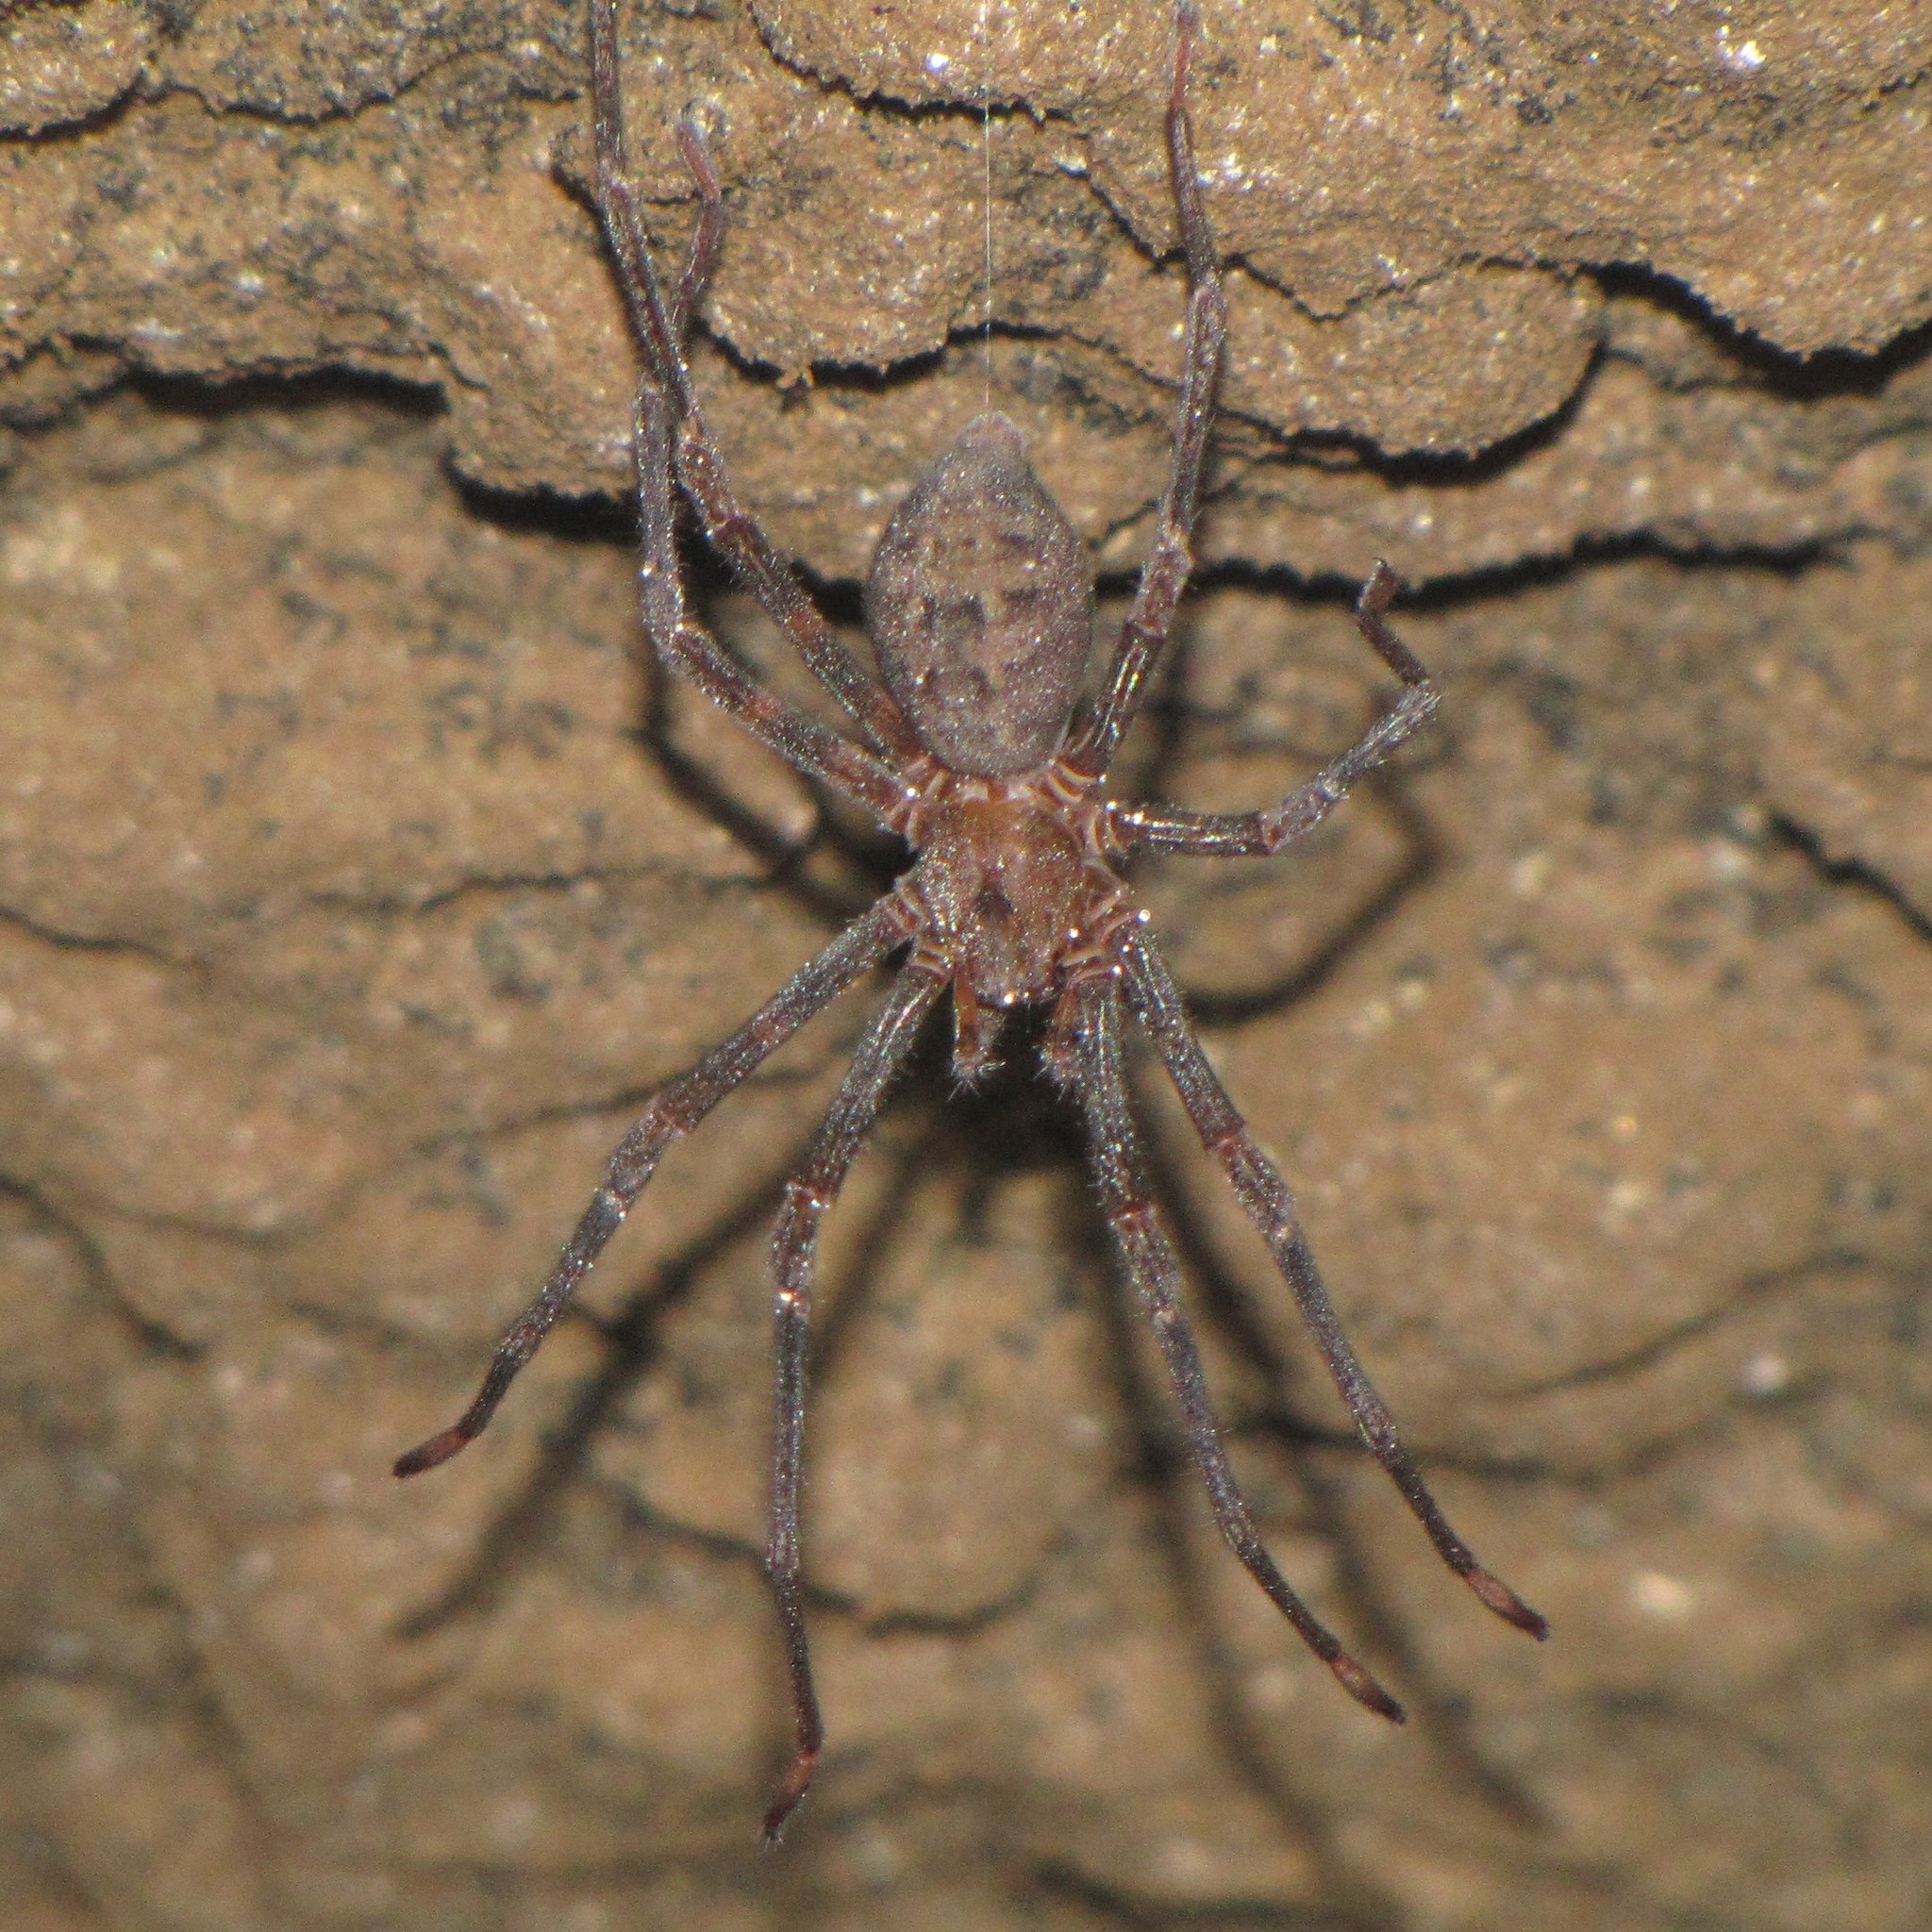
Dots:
pixel 979 755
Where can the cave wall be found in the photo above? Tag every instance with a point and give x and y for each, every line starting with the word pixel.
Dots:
pixel 357 878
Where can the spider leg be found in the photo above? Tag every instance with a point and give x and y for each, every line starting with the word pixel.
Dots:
pixel 794 1247
pixel 1271 1207
pixel 660 329
pixel 708 238
pixel 1255 834
pixel 1164 577
pixel 673 1111
pixel 1151 1264
pixel 693 653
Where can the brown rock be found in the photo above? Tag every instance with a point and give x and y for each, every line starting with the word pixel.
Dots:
pixel 356 882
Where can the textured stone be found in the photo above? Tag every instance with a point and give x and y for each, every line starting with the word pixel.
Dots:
pixel 356 881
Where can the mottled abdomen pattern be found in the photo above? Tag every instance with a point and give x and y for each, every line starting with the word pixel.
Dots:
pixel 981 606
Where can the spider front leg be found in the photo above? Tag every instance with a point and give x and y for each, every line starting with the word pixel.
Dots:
pixel 690 651
pixel 1258 834
pixel 1151 1265
pixel 674 1110
pixel 794 1249
pixel 1265 1195
pixel 1164 577
pixel 661 329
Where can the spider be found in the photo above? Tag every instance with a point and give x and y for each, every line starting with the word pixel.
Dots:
pixel 979 755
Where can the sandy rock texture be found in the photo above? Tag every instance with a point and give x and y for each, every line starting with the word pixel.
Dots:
pixel 357 878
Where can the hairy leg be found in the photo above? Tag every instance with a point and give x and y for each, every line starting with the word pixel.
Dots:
pixel 1257 834
pixel 794 1249
pixel 660 329
pixel 1149 1259
pixel 708 238
pixel 693 653
pixel 674 1110
pixel 1270 1205
pixel 1144 637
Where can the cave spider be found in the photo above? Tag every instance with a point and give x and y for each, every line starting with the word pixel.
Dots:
pixel 979 607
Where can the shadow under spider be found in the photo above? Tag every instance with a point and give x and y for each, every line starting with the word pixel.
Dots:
pixel 1421 861
pixel 1069 1885
pixel 785 860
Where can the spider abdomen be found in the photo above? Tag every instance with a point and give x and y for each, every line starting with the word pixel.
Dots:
pixel 981 606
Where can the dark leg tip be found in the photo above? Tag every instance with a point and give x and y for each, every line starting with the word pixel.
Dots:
pixel 1379 592
pixel 437 1449
pixel 1508 1605
pixel 696 151
pixel 1365 1690
pixel 785 1799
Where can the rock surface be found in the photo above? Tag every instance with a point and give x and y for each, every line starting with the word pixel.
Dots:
pixel 356 880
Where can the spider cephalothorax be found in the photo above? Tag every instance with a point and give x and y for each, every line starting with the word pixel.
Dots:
pixel 980 611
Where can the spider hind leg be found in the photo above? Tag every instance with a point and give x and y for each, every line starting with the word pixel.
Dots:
pixel 1148 1256
pixel 673 1111
pixel 1265 1195
pixel 808 1195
